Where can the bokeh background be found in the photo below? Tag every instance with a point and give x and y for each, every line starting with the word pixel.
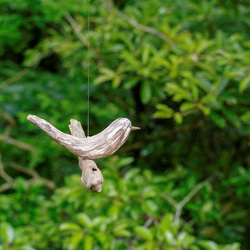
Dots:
pixel 179 70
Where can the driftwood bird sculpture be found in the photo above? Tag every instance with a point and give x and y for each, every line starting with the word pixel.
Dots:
pixel 88 148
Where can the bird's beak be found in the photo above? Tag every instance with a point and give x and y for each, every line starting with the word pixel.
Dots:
pixel 135 128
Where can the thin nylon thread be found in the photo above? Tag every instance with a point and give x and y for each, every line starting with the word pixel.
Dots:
pixel 88 79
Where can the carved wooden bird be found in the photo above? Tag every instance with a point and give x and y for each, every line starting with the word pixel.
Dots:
pixel 88 148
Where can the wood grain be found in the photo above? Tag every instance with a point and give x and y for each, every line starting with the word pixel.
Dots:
pixel 94 147
pixel 92 177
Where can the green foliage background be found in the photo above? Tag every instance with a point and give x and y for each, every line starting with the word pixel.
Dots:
pixel 179 70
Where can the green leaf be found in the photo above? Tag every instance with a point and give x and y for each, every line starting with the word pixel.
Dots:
pixel 208 99
pixel 7 232
pixel 164 111
pixel 187 106
pixel 116 81
pixel 107 72
pixel 162 115
pixel 209 245
pixel 130 83
pixel 149 192
pixel 246 117
pixel 144 232
pixel 131 60
pixel 25 247
pixel 121 225
pixel 114 211
pixel 167 224
pixel 169 237
pixel 32 57
pixel 76 239
pixel 121 229
pixel 123 161
pixel 184 240
pixel 207 67
pixel 67 226
pixel 244 84
pixel 177 92
pixel 150 207
pixel 145 92
pixel 101 79
pixel 220 86
pixel 234 246
pixel 88 242
pixel 130 174
pixel 178 117
pixel 107 75
pixel 145 54
pixel 99 220
pixel 218 120
pixel 84 220
pixel 232 117
pixel 122 233
pixel 195 92
pixel 206 110
pixel 204 84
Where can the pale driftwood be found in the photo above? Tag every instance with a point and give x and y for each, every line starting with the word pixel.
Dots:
pixel 88 148
pixel 98 146
pixel 92 177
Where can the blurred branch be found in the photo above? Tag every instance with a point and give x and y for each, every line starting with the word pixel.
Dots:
pixel 182 129
pixel 148 222
pixel 170 200
pixel 16 77
pixel 27 171
pixel 48 183
pixel 10 182
pixel 163 134
pixel 30 182
pixel 16 143
pixel 179 206
pixel 10 120
pixel 5 187
pixel 139 26
pixel 5 137
pixel 3 174
pixel 189 197
pixel 133 146
pixel 77 30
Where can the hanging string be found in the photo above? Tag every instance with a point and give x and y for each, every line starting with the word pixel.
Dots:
pixel 88 77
